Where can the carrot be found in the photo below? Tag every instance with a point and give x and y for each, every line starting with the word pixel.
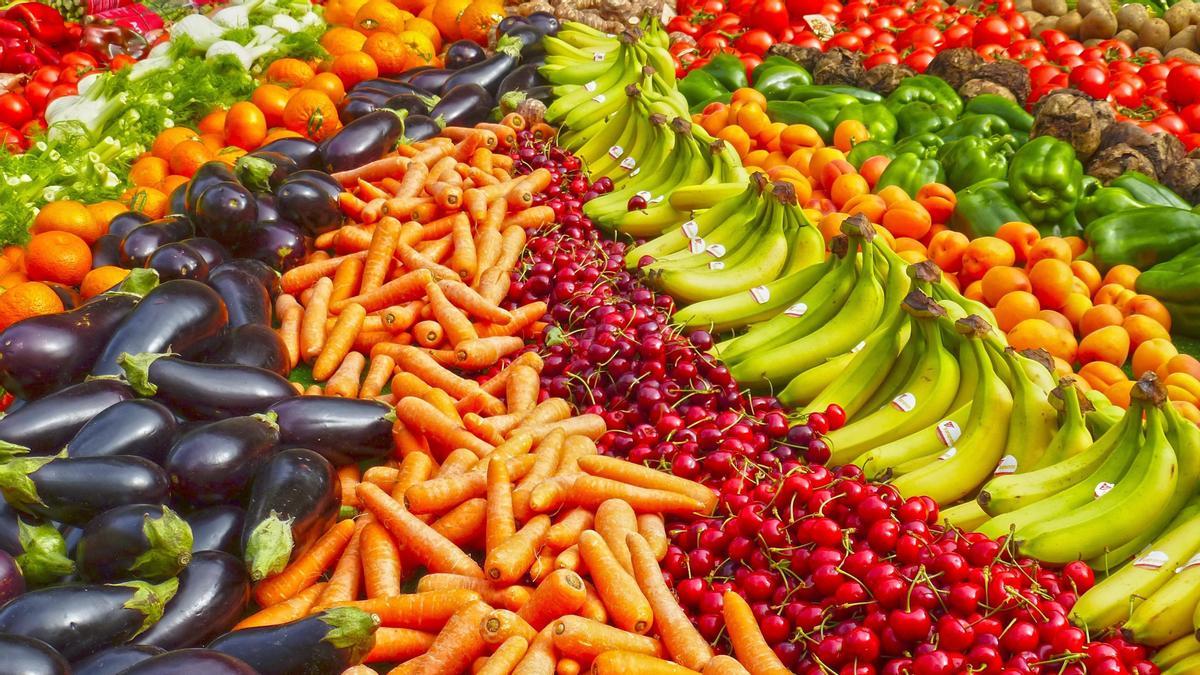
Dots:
pixel 505 136
pixel 542 566
pixel 406 442
pixel 426 610
pixel 303 276
pixel 352 238
pixel 552 492
pixel 431 372
pixel 618 590
pixel 408 286
pixel 682 640
pixel 476 424
pixel 513 121
pixel 645 477
pixel 440 494
pixel 566 531
pixel 428 333
pixel 339 341
pixel 312 325
pixel 445 404
pixel 414 468
pixel 307 568
pixel 314 390
pixel 614 520
pixel 349 477
pixel 618 662
pixel 383 476
pixel 542 131
pixel 457 645
pixel 388 166
pixel 413 180
pixel 523 317
pixel 499 383
pixel 505 658
pixel 654 530
pixel 370 190
pixel 346 578
pixel 468 139
pixel 546 412
pixel 379 254
pixel 287 611
pixel 724 665
pixel 590 425
pixel 378 373
pixel 748 642
pixel 458 327
pixel 436 250
pixel 548 454
pixel 423 417
pixel 463 261
pixel 400 317
pixel 494 284
pixel 521 390
pixel 416 260
pixel 346 279
pixel 539 659
pixel 501 524
pixel 487 246
pixel 568 559
pixel 531 218
pixel 439 169
pixel 465 298
pixel 479 353
pixel 593 606
pixel 457 462
pixel 517 446
pixel 482 159
pixel 464 524
pixel 512 558
pixel 437 553
pixel 511 597
pixel 359 670
pixel 289 328
pixel 407 384
pixel 366 340
pixel 590 491
pixel 567 666
pixel 398 644
pixel 500 624
pixel 345 380
pixel 380 561
pixel 351 205
pixel 559 594
pixel 585 639
pixel 512 242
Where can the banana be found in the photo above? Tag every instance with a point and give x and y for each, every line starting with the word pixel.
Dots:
pixel 929 442
pixel 1110 601
pixel 806 244
pixel 742 309
pixel 972 459
pixel 601 104
pixel 1143 492
pixel 807 385
pixel 1032 424
pixel 693 197
pixel 686 164
pixel 964 516
pixel 634 134
pixel 1167 614
pixel 1188 666
pixel 678 239
pixel 594 149
pixel 899 372
pixel 724 240
pixel 572 97
pixel 1073 437
pixel 605 208
pixel 1176 651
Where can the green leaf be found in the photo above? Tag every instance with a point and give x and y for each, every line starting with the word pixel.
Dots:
pixel 150 599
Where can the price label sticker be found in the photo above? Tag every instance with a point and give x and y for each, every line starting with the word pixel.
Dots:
pixel 646 195
pixel 696 245
pixel 1102 488
pixel 716 250
pixel 690 229
pixel 716 265
pixel 819 25
pixel 760 294
pixel 1151 560
pixel 1191 562
pixel 1007 465
pixel 905 402
pixel 599 98
pixel 797 310
pixel 656 200
pixel 590 86
pixel 635 171
pixel 948 432
pixel 616 151
pixel 628 163
pixel 950 452
pixel 858 347
pixel 599 56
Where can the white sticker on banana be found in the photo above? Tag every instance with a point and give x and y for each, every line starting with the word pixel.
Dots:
pixel 599 98
pixel 761 294
pixel 696 245
pixel 1152 560
pixel 1191 562
pixel 628 163
pixel 690 229
pixel 716 250
pixel 948 432
pixel 590 86
pixel 1102 488
pixel 797 310
pixel 905 402
pixel 616 151
pixel 716 265
pixel 858 347
pixel 1007 465
pixel 951 452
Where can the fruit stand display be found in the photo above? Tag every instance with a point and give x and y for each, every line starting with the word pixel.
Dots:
pixel 405 336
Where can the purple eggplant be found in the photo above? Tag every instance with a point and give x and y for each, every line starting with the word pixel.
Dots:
pixel 364 140
pixel 213 593
pixel 192 662
pixel 258 269
pixel 465 105
pixel 268 212
pixel 124 223
pixel 292 502
pixel 520 79
pixel 208 175
pixel 420 128
pixel 246 300
pixel 81 619
pixel 30 656
pixel 225 212
pixel 264 170
pixel 305 646
pixel 510 22
pixel 217 462
pixel 213 251
pixel 12 583
pixel 115 660
pixel 10 538
pixel 217 528
pixel 178 260
pixel 344 430
pixel 463 53
pixel 411 104
pixel 177 200
pixel 353 107
pixel 43 553
pixel 527 35
pixel 43 354
pixel 309 202
pixel 432 80
pixel 176 316
pixel 136 541
pixel 489 72
pixel 546 23
pixel 280 244
pixel 393 86
pixel 139 245
pixel 254 345
pixel 203 390
pixel 139 427
pixel 75 490
pixel 300 150
pixel 45 425
pixel 106 251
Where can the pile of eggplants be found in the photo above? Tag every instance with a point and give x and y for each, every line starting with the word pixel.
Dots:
pixel 467 90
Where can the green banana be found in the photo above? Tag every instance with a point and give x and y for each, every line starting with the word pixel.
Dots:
pixel 677 239
pixel 1033 422
pixel 964 516
pixel 742 309
pixel 1073 437
pixel 1167 614
pixel 1176 651
pixel 693 197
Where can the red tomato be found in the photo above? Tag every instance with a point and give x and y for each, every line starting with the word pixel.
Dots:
pixel 918 60
pixel 886 39
pixel 1124 94
pixel 682 24
pixel 992 30
pixel 863 30
pixel 1053 38
pixel 1172 123
pixel 750 61
pixel 1183 83
pixel 15 110
pixel 756 41
pixel 880 58
pixel 1190 141
pixel 991 52
pixel 846 41
pixel 1191 116
pixel 1017 22
pixel 11 139
pixel 770 15
pixel 1091 79
pixel 712 42
pixel 922 34
pixel 78 59
pixel 956 36
pixel 1022 49
pixel 36 92
pixel 60 90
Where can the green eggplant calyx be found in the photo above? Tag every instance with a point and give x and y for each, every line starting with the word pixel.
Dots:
pixel 269 547
pixel 170 548
pixel 139 282
pixel 45 553
pixel 352 629
pixel 150 599
pixel 16 485
pixel 137 370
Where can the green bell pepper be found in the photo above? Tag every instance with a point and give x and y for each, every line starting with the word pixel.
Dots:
pixel 910 173
pixel 972 159
pixel 880 121
pixel 1069 226
pixel 868 149
pixel 1010 111
pixel 926 89
pixel 1104 201
pixel 982 208
pixel 811 91
pixel 699 86
pixel 1141 237
pixel 925 145
pixel 1149 191
pixel 919 117
pixel 769 63
pixel 774 83
pixel 799 112
pixel 728 70
pixel 980 126
pixel 1046 180
pixel 1176 283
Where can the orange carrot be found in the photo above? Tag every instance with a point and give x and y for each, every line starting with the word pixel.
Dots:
pixel 423 417
pixel 287 611
pixel 426 610
pixel 590 425
pixel 458 644
pixel 345 380
pixel 724 665
pixel 478 425
pixel 380 562
pixel 413 180
pixel 414 468
pixel 409 286
pixel 585 639
pixel 550 410
pixel 346 279
pixel 439 494
pixel 303 276
pixel 619 662
pixel 568 666
pixel 645 477
pixel 398 644
pixel 487 246
pixel 505 136
pixel 312 325
pixel 593 606
pixel 339 341
pixel 346 578
pixel 747 639
pixel 521 390
pixel 482 159
pixel 456 463
pixel 501 524
pixel 679 636
pixel 366 340
pixel 439 169
pixel 436 552
pixel 548 454
pixel 505 658
pixel 512 243
pixel 383 476
pixel 590 491
pixel 307 568
pixel 379 255
pixel 289 327
pixel 465 298
pixel 458 327
pixel 511 559
pixel 566 531
pixel 352 238
pixel 407 384
pixel 406 442
pixel 559 594
pixel 654 530
pixel 498 384
pixel 400 317
pixel 618 590
pixel 351 205
pixel 370 190
pixel 314 390
pixel 523 317
pixel 436 250
pixel 539 659
pixel 513 121
pixel 531 218
pixel 569 559
pixel 348 478
pixel 542 565
pixel 479 353
pixel 614 520
pixel 423 366
pixel 445 404
pixel 464 524
pixel 428 333
pixel 494 283
pixel 552 492
pixel 542 131
pixel 388 166
pixel 510 597
pixel 463 261
pixel 377 376
pixel 415 260
pixel 500 624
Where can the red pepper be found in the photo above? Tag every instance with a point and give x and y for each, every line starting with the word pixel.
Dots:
pixel 13 29
pixel 43 21
pixel 5 401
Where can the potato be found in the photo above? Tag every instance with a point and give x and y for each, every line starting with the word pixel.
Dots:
pixel 1022 5
pixel 1048 23
pixel 1069 23
pixel 1085 7
pixel 1184 39
pixel 1132 16
pixel 1099 24
pixel 1154 33
pixel 1127 36
pixel 1032 17
pixel 1184 54
pixel 1051 7
pixel 1179 16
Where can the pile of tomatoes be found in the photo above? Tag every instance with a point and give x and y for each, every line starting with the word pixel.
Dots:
pixel 22 111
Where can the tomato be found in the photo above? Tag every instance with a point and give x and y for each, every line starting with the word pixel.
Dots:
pixel 770 15
pixel 1091 79
pixel 713 7
pixel 1191 115
pixel 886 40
pixel 78 59
pixel 712 42
pixel 1024 48
pixel 1115 50
pixel 1093 55
pixel 1183 83
pixel 956 36
pixel 854 11
pixel 918 60
pixel 750 61
pixel 1190 141
pixel 36 93
pixel 1052 37
pixel 15 110
pixel 1173 123
pixel 864 31
pixel 992 30
pixel 1123 94
pixel 1070 62
pixel 991 52
pixel 1064 49
pixel 47 74
pixel 880 58
pixel 682 24
pixel 1017 22
pixel 11 139
pixel 846 41
pixel 61 90
pixel 922 34
pixel 805 38
pixel 755 41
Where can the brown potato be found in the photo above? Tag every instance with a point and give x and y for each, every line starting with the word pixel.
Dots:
pixel 1184 54
pixel 1051 7
pixel 1069 23
pixel 1154 33
pixel 1048 23
pixel 1085 7
pixel 1179 16
pixel 1184 39
pixel 1032 17
pixel 1127 36
pixel 1132 16
pixel 1098 24
pixel 1022 5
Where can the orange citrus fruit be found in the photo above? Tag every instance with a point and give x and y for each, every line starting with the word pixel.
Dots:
pixel 61 257
pixel 31 298
pixel 167 139
pixel 68 216
pixel 101 279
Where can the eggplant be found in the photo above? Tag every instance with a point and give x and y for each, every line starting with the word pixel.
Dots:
pixel 43 354
pixel 528 36
pixel 106 251
pixel 205 390
pixel 267 211
pixel 41 552
pixel 12 583
pixel 266 276
pixel 521 78
pixel 178 316
pixel 464 105
pixel 139 245
pixel 213 594
pixel 217 462
pixel 192 662
pixel 300 150
pixel 306 645
pixel 264 170
pixel 115 660
pixel 364 140
pixel 545 22
pixel 292 502
pixel 390 86
pixel 344 430
pixel 225 212
pixel 489 72
pixel 136 541
pixel 432 80
pixel 66 294
pixel 213 251
pixel 309 202
pixel 354 107
pixel 81 619
pixel 30 656
pixel 246 300
pixel 421 128
pixel 178 260
pixel 139 427
pixel 177 200
pixel 217 528
pixel 10 538
pixel 508 23
pixel 280 244
pixel 254 345
pixel 410 104
pixel 463 53
pixel 208 175
pixel 74 490
pixel 45 425
pixel 124 223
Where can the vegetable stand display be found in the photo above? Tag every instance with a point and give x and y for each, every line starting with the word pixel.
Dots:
pixel 414 338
